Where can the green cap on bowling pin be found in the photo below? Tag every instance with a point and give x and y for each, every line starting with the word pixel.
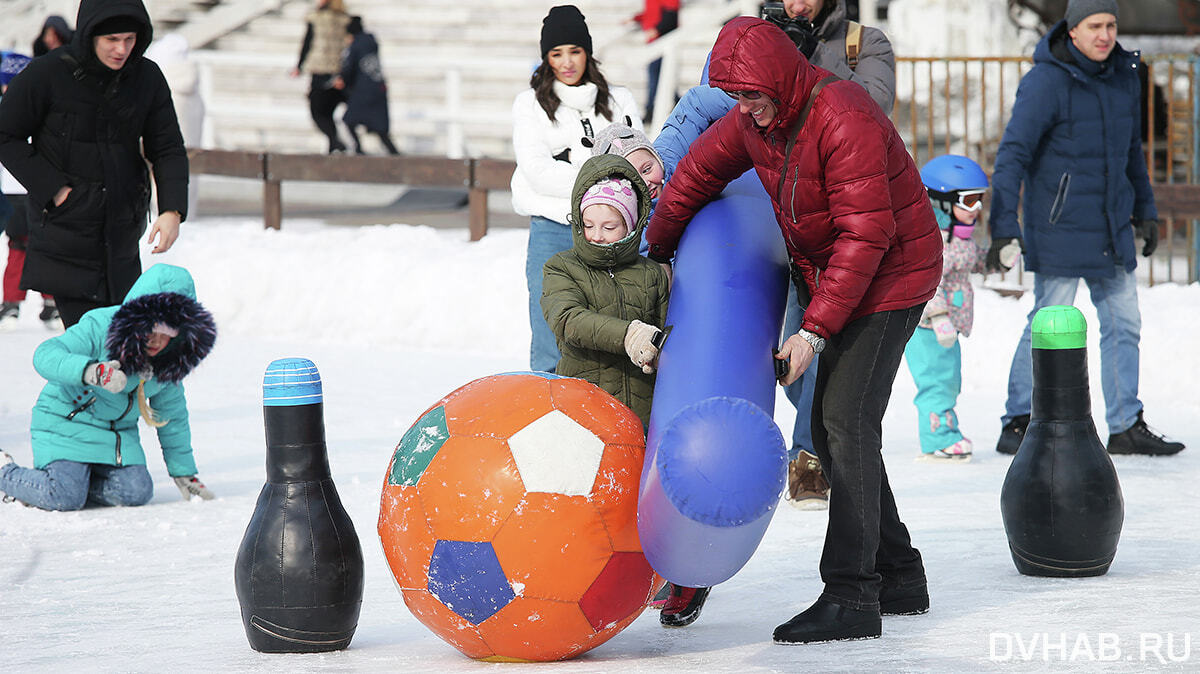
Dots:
pixel 1059 327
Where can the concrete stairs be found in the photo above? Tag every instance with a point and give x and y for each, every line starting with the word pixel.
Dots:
pixel 452 69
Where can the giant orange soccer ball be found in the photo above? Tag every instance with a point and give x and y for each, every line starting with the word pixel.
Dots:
pixel 508 517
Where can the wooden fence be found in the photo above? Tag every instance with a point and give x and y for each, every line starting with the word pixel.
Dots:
pixel 477 176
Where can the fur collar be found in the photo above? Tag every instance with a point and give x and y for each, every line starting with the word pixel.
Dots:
pixel 133 322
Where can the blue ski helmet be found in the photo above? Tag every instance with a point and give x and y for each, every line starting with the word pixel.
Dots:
pixel 951 173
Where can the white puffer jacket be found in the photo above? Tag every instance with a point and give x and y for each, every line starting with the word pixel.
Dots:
pixel 541 185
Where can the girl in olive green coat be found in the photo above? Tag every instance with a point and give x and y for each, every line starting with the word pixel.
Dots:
pixel 604 301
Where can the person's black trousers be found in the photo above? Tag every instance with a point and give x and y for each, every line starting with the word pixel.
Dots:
pixel 323 99
pixel 866 544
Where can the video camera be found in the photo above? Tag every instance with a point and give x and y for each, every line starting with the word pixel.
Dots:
pixel 799 29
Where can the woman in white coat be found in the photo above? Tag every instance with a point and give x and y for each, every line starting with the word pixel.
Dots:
pixel 568 101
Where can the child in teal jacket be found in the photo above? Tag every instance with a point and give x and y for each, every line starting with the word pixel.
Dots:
pixel 118 364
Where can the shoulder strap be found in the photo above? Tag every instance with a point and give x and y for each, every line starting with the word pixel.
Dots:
pixel 76 69
pixel 853 42
pixel 787 155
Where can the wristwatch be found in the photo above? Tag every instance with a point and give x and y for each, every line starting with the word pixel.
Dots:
pixel 814 340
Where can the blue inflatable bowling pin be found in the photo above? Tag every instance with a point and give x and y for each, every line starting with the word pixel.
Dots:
pixel 1061 501
pixel 716 462
pixel 299 572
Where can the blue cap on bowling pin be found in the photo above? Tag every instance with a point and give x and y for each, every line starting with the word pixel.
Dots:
pixel 291 381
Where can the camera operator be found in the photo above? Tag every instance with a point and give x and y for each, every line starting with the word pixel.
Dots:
pixel 854 52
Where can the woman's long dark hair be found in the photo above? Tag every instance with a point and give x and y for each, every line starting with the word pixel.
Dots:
pixel 542 83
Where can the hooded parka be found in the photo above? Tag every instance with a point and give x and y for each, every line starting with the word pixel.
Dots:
pixel 851 207
pixel 88 424
pixel 1074 141
pixel 366 102
pixel 592 292
pixel 92 129
pixel 702 105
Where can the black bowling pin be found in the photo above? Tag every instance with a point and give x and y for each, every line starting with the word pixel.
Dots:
pixel 299 572
pixel 1061 501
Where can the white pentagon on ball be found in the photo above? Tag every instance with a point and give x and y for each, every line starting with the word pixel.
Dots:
pixel 556 455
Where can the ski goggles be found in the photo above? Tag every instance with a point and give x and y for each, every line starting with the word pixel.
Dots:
pixel 748 95
pixel 970 200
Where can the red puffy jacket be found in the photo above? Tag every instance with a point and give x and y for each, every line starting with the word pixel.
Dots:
pixel 852 204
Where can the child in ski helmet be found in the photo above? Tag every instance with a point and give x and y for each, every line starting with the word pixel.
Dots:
pixel 957 187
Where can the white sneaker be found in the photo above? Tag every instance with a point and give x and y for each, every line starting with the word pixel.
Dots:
pixel 959 452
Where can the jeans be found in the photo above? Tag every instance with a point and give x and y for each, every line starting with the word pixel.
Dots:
pixel 546 238
pixel 866 544
pixel 800 392
pixel 69 485
pixel 1116 305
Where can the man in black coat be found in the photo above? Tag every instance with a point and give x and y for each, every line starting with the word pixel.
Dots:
pixel 77 127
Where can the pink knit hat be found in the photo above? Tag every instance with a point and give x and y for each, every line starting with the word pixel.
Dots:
pixel 615 192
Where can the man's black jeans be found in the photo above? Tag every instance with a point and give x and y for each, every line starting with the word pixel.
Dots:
pixel 866 544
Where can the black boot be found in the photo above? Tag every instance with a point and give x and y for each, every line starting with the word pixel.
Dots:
pixel 904 600
pixel 683 606
pixel 1139 439
pixel 826 621
pixel 1012 434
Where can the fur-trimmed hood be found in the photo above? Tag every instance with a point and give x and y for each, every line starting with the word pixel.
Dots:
pixel 163 294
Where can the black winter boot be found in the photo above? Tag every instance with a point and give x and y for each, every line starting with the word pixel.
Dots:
pixel 1139 439
pixel 826 621
pixel 683 606
pixel 1012 434
pixel 904 600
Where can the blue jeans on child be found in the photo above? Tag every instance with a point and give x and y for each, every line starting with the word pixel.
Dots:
pixel 1116 305
pixel 546 238
pixel 69 485
pixel 800 392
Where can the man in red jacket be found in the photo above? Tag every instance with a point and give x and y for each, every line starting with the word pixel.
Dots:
pixel 864 243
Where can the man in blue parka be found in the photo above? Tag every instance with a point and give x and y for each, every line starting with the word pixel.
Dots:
pixel 1073 140
pixel 116 365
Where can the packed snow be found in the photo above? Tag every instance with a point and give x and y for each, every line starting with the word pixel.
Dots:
pixel 397 316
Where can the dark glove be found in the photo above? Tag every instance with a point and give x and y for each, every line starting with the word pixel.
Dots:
pixel 997 256
pixel 1147 230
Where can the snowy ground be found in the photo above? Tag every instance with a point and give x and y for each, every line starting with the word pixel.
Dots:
pixel 397 316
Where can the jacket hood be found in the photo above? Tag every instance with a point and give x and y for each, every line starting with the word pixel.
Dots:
pixel 59 24
pixel 620 252
pixel 1052 48
pixel 92 12
pixel 163 294
pixel 752 54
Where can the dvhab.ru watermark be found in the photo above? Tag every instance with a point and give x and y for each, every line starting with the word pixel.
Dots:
pixel 1147 647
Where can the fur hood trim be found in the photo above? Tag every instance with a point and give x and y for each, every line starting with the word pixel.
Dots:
pixel 135 320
